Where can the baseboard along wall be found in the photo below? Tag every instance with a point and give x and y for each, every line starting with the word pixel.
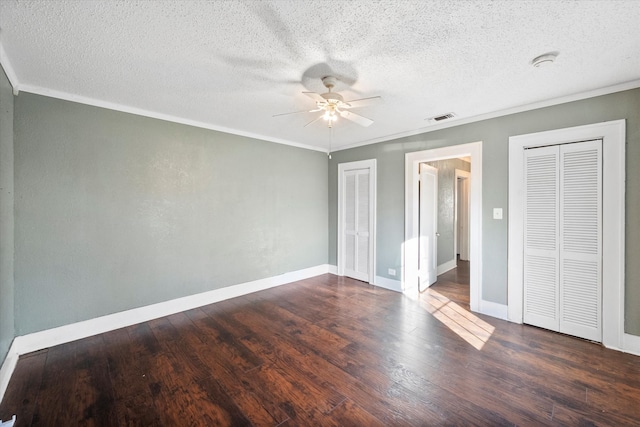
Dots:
pixel 51 337
pixel 449 265
pixel 67 333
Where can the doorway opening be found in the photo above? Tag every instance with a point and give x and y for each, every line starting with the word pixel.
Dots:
pixel 446 211
pixel 411 247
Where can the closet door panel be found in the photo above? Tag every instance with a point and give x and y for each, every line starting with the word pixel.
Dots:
pixel 541 235
pixel 363 223
pixel 581 240
pixel 357 223
pixel 350 222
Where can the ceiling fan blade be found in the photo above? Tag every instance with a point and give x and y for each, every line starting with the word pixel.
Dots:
pixel 313 121
pixel 362 121
pixel 297 112
pixel 363 102
pixel 315 96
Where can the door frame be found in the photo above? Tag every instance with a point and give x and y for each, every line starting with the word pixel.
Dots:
pixel 465 175
pixel 342 168
pixel 431 273
pixel 613 198
pixel 410 245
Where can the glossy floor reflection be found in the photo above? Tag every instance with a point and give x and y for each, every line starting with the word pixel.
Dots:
pixel 465 324
pixel 448 301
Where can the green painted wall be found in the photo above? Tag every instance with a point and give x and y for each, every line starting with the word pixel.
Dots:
pixel 115 211
pixel 446 205
pixel 7 331
pixel 494 134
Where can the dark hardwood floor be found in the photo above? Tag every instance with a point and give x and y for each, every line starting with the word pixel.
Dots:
pixel 454 284
pixel 328 351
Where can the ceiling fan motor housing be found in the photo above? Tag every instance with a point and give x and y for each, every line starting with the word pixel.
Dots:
pixel 329 82
pixel 333 97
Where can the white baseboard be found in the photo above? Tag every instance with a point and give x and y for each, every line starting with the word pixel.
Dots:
pixel 443 268
pixel 7 369
pixel 67 333
pixel 391 284
pixel 493 309
pixel 63 334
pixel 383 282
pixel 8 423
pixel 631 344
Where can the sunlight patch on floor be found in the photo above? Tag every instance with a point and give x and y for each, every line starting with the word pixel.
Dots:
pixel 465 324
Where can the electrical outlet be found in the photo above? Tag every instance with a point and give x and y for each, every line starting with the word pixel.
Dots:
pixel 392 272
pixel 497 213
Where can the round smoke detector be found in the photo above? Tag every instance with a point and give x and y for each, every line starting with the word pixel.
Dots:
pixel 544 60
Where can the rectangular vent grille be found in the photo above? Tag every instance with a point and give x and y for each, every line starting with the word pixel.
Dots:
pixel 442 117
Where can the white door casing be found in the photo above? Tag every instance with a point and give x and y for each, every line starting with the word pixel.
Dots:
pixel 410 244
pixel 461 230
pixel 428 227
pixel 613 188
pixel 356 219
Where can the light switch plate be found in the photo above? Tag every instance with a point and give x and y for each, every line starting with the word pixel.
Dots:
pixel 497 213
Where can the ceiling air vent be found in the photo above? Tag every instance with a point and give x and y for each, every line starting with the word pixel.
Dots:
pixel 441 117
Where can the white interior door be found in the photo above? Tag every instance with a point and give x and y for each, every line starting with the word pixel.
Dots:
pixel 428 227
pixel 356 249
pixel 462 236
pixel 562 237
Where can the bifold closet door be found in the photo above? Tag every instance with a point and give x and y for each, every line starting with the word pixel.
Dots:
pixel 581 239
pixel 562 237
pixel 356 224
pixel 541 235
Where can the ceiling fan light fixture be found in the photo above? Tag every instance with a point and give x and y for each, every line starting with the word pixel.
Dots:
pixel 330 115
pixel 332 104
pixel 544 60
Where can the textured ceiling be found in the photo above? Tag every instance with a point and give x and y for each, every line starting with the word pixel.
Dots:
pixel 232 65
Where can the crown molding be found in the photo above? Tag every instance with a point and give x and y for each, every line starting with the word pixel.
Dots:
pixel 37 90
pixel 634 84
pixel 17 87
pixel 155 115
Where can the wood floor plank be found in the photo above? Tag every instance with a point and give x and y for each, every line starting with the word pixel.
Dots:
pixel 304 330
pixel 349 413
pixel 328 351
pixel 188 384
pixel 224 343
pixel 56 403
pixel 93 387
pixel 244 393
pixel 22 392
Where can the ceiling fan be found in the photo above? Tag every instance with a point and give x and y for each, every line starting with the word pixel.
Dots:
pixel 332 105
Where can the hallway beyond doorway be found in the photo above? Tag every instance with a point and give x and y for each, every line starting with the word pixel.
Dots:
pixel 454 284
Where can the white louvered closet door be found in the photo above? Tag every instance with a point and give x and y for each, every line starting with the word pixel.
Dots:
pixel 563 223
pixel 357 224
pixel 541 234
pixel 581 240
